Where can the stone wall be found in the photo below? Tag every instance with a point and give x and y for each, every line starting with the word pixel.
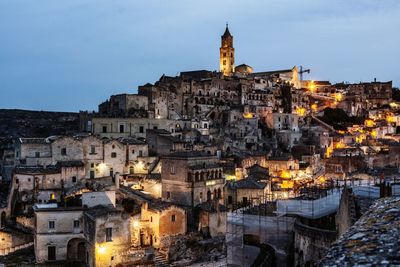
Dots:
pixel 11 241
pixel 25 222
pixel 346 214
pixel 311 243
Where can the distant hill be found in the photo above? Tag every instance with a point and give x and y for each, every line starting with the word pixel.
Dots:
pixel 27 123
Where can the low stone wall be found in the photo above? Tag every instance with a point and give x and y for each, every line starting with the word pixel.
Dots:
pixel 6 251
pixel 26 222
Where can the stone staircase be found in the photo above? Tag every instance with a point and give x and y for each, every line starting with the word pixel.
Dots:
pixel 159 259
pixel 7 251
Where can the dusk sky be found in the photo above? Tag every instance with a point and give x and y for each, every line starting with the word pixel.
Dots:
pixel 72 55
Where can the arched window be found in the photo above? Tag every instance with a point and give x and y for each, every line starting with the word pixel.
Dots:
pixel 208 195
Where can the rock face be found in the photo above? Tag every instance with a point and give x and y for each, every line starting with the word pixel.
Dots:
pixel 373 240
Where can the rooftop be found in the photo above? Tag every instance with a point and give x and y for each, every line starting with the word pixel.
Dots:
pixel 188 154
pixel 100 211
pixel 211 206
pixel 34 140
pixel 130 141
pixel 246 184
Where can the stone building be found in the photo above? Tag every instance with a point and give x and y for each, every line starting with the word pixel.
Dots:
pixel 66 148
pixel 114 158
pixel 212 218
pixel 161 142
pixel 33 151
pixel 189 178
pixel 107 234
pixel 93 154
pixel 129 127
pixel 246 191
pixel 32 184
pixel 125 105
pixel 159 222
pixel 59 233
pixel 283 121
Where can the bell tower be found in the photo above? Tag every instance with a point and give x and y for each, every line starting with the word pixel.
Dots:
pixel 227 53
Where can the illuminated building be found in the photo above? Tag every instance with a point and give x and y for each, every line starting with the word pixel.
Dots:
pixel 227 53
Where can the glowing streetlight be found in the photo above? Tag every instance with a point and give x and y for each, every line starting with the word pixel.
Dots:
pixel 312 87
pixel 102 249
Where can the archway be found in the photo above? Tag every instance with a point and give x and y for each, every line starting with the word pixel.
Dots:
pixel 76 249
pixel 3 219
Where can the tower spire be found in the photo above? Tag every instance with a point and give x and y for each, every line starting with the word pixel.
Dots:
pixel 227 53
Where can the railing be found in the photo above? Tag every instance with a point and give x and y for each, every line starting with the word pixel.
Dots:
pixel 311 208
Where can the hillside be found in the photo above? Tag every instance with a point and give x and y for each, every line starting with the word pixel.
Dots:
pixel 27 123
